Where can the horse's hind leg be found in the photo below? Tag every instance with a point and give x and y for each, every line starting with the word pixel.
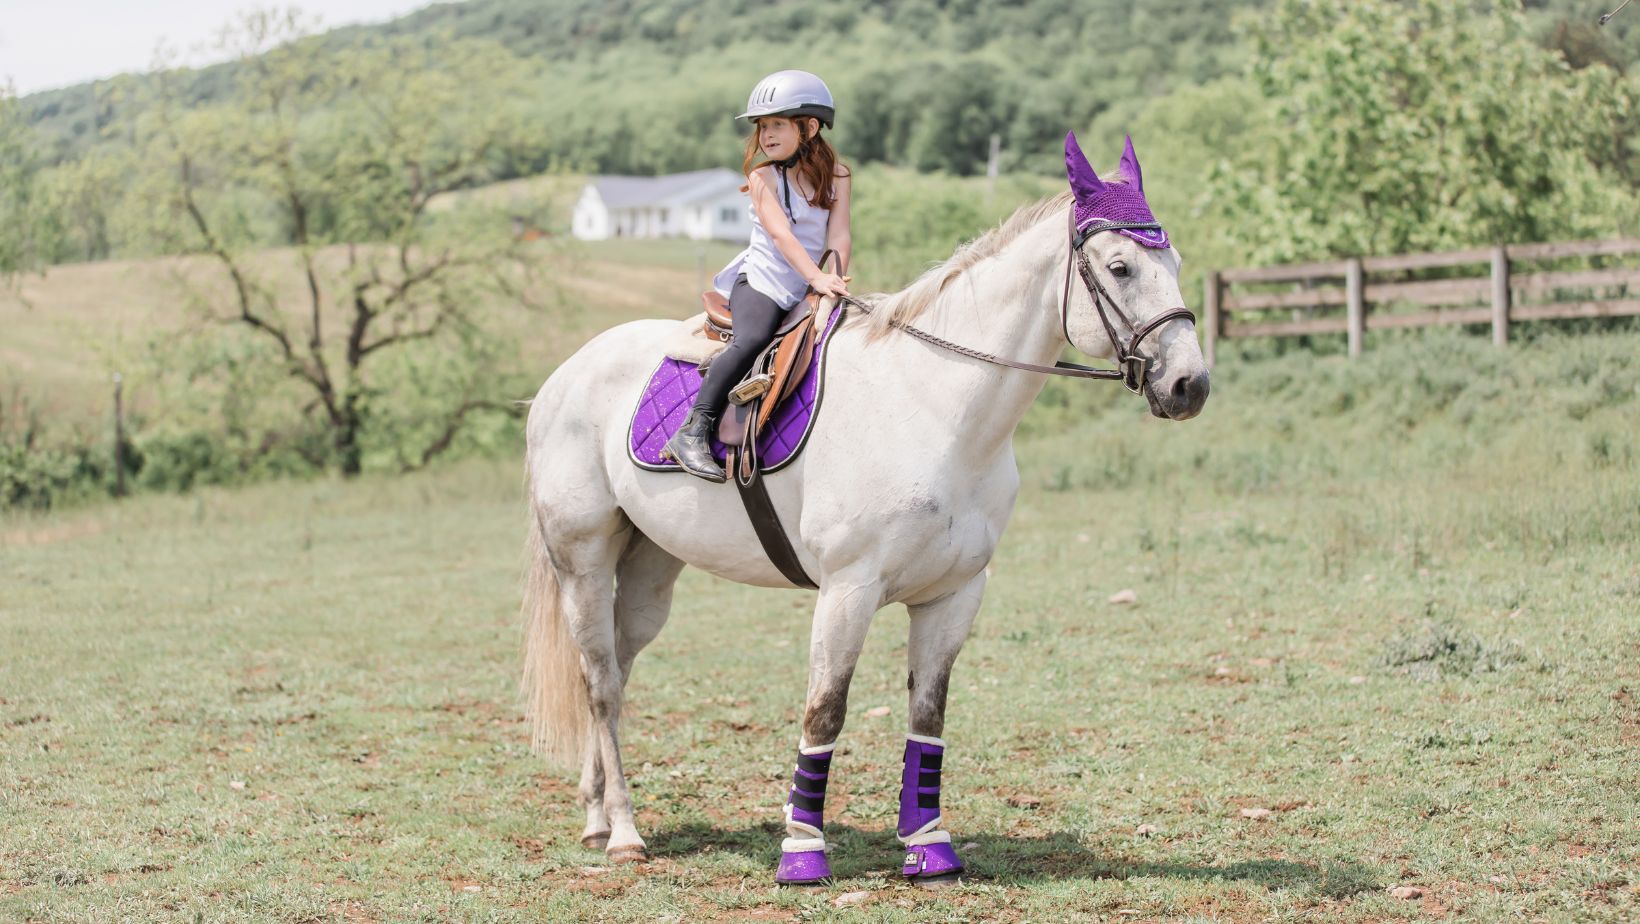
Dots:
pixel 586 540
pixel 643 599
pixel 938 629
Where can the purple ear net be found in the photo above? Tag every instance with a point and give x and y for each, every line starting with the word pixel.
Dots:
pixel 1115 200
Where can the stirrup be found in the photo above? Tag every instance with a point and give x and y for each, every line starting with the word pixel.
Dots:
pixel 751 389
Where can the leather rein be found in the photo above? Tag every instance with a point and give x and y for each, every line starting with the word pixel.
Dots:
pixel 1132 365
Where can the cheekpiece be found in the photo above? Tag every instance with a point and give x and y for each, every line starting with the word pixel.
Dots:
pixel 1103 201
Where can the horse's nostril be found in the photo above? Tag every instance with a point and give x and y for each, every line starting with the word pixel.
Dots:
pixel 1190 390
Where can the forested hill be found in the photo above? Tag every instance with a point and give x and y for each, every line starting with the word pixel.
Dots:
pixel 650 85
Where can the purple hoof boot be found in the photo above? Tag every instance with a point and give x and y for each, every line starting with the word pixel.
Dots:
pixel 804 867
pixel 930 860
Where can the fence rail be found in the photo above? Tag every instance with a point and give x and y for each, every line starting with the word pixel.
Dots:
pixel 1499 297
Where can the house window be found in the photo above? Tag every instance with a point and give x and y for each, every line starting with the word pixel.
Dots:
pixel 665 213
pixel 727 214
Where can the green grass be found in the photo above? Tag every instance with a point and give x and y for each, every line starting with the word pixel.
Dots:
pixel 1393 602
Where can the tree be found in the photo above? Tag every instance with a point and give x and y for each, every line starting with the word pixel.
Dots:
pixel 1405 125
pixel 341 153
pixel 22 219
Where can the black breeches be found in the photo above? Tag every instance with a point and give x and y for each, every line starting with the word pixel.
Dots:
pixel 756 317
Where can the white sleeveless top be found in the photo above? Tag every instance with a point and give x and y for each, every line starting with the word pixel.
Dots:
pixel 766 268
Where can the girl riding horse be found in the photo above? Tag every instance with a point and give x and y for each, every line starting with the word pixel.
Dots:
pixel 799 206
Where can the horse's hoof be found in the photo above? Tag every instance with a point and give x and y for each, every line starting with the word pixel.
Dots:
pixel 817 885
pixel 932 866
pixel 596 841
pixel 630 854
pixel 803 869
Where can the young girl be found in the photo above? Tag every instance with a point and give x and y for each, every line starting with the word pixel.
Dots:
pixel 799 204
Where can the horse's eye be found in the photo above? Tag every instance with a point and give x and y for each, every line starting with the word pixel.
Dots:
pixel 1118 268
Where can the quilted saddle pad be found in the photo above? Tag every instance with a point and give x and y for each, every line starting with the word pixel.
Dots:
pixel 671 391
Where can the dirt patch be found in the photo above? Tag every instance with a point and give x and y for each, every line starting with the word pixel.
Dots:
pixel 1629 718
pixel 533 848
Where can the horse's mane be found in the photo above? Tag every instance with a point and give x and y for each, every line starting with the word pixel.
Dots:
pixel 908 303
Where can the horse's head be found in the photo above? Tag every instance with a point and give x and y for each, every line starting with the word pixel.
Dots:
pixel 1128 306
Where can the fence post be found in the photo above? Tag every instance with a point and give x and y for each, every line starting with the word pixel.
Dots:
pixel 119 435
pixel 1356 305
pixel 1212 288
pixel 1500 296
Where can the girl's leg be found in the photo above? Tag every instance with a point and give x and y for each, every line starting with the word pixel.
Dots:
pixel 756 317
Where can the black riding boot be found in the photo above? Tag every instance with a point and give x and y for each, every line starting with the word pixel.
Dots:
pixel 691 447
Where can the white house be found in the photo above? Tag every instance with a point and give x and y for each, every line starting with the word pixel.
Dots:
pixel 700 204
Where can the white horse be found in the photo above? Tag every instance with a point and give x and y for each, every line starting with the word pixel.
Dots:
pixel 901 495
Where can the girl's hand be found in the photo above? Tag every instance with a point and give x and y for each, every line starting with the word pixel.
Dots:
pixel 830 284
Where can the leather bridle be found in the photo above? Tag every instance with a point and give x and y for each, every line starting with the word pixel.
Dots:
pixel 1132 365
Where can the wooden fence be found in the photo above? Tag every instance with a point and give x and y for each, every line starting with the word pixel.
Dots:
pixel 1311 293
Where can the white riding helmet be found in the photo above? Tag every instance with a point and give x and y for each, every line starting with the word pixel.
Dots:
pixel 792 94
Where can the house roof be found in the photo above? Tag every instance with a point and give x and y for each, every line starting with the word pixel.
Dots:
pixel 619 192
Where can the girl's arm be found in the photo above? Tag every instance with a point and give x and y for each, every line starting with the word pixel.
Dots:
pixel 837 228
pixel 773 218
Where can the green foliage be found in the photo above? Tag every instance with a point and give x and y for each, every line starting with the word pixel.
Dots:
pixel 920 83
pixel 902 221
pixel 1181 139
pixel 925 85
pixel 23 220
pixel 39 478
pixel 1407 125
pixel 324 151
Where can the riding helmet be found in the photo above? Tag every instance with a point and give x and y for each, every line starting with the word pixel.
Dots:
pixel 792 94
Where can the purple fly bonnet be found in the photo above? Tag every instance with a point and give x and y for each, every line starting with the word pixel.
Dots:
pixel 1114 200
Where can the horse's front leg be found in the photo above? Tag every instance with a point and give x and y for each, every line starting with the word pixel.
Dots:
pixel 840 621
pixel 938 629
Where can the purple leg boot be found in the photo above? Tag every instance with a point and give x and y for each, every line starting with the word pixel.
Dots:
pixel 929 854
pixel 803 852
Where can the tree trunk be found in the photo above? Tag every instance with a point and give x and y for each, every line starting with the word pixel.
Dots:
pixel 347 436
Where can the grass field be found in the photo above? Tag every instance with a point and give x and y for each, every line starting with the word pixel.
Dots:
pixel 1394 604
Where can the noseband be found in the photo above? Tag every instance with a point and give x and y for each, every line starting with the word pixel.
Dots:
pixel 1133 364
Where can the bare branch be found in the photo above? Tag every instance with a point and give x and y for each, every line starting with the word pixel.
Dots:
pixel 424 333
pixel 452 426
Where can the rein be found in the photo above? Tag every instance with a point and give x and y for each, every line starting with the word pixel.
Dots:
pixel 1133 364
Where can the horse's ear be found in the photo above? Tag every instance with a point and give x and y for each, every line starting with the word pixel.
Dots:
pixel 1084 182
pixel 1129 167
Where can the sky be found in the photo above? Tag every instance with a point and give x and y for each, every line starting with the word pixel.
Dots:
pixel 56 43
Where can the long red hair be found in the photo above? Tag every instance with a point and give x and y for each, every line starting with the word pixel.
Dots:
pixel 816 162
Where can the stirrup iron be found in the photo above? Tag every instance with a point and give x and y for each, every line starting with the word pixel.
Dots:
pixel 751 389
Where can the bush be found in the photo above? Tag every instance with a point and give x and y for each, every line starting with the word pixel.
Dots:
pixel 39 479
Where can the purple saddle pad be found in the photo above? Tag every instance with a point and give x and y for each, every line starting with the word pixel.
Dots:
pixel 671 391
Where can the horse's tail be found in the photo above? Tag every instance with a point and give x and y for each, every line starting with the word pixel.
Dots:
pixel 554 687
